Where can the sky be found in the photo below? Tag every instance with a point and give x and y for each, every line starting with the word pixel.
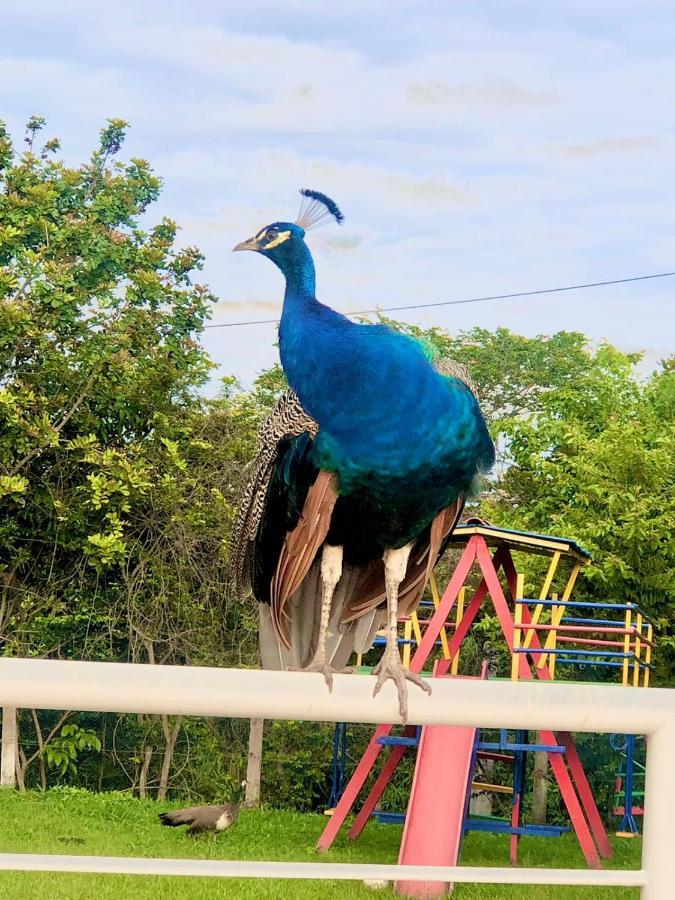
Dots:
pixel 475 148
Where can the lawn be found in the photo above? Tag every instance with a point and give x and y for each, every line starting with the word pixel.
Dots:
pixel 72 821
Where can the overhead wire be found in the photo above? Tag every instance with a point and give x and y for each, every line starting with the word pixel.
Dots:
pixel 510 296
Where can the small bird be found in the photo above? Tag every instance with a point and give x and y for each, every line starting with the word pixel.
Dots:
pixel 366 460
pixel 206 818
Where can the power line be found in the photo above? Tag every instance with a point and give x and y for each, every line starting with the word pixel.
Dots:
pixel 556 290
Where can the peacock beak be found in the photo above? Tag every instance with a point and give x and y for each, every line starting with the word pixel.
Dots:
pixel 250 244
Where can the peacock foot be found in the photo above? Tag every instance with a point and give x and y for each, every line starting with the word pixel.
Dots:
pixel 325 668
pixel 390 666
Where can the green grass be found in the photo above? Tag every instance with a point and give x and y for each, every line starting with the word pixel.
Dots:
pixel 76 822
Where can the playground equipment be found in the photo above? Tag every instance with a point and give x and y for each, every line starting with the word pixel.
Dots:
pixel 540 632
pixel 630 640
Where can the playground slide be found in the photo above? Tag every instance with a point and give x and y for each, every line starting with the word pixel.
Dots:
pixel 437 805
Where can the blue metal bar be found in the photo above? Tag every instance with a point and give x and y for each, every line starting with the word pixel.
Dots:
pixel 393 741
pixel 506 828
pixel 380 641
pixel 339 761
pixel 523 748
pixel 628 823
pixel 557 652
pixel 343 757
pixel 580 604
pixel 388 818
pixel 566 661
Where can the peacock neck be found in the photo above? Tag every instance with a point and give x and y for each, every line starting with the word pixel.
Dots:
pixel 307 332
pixel 298 269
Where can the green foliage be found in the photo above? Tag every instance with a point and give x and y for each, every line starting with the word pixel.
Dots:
pixel 101 428
pixel 297 765
pixel 62 752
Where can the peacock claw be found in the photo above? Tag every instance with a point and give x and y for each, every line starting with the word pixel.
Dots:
pixel 390 666
pixel 326 670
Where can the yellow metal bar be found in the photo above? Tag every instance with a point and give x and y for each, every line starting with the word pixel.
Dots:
pixel 558 613
pixel 359 659
pixel 407 634
pixel 626 646
pixel 492 788
pixel 551 662
pixel 435 596
pixel 543 594
pixel 416 628
pixel 569 587
pixel 638 648
pixel 459 615
pixel 648 655
pixel 518 617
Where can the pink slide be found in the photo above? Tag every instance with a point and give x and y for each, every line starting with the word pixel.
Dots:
pixel 437 806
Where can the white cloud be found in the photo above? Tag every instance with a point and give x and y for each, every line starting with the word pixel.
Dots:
pixel 612 146
pixel 474 148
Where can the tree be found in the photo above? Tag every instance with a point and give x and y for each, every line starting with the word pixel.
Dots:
pixel 597 464
pixel 111 533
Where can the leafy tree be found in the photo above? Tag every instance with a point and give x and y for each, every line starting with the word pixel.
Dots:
pixel 98 364
pixel 597 464
pixel 114 503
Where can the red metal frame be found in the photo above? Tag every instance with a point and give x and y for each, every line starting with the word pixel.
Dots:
pixel 567 768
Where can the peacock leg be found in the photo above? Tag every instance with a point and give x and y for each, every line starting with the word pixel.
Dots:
pixel 390 666
pixel 331 570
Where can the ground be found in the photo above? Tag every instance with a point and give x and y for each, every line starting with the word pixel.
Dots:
pixel 73 821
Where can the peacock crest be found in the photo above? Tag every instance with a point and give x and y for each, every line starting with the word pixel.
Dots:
pixel 316 209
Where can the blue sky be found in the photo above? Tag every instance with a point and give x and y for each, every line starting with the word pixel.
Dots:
pixel 475 148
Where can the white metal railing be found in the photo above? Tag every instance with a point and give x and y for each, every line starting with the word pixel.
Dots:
pixel 240 693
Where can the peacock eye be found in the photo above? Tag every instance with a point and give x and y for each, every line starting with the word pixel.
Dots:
pixel 272 234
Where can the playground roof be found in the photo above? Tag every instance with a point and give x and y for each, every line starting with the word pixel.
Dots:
pixel 526 541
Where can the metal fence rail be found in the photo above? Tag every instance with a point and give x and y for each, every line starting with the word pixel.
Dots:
pixel 239 693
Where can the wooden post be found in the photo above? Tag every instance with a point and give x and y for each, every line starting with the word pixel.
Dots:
pixel 254 765
pixel 9 748
pixel 540 787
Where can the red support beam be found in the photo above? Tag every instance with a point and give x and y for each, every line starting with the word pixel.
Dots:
pixel 471 611
pixel 572 803
pixel 377 789
pixel 439 618
pixel 586 794
pixel 353 789
pixel 417 662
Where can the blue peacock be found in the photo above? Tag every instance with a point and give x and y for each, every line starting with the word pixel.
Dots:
pixel 361 475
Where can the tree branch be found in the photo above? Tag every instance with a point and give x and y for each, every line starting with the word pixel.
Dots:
pixel 58 428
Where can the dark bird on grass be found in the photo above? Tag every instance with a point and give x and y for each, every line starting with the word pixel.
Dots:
pixel 206 818
pixel 366 460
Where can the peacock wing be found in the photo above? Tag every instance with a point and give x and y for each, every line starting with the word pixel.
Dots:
pixel 288 419
pixel 300 549
pixel 180 816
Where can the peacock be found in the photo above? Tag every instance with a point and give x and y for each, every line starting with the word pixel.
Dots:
pixel 201 819
pixel 361 475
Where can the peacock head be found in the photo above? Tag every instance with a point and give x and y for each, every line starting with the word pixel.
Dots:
pixel 276 241
pixel 239 793
pixel 284 242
